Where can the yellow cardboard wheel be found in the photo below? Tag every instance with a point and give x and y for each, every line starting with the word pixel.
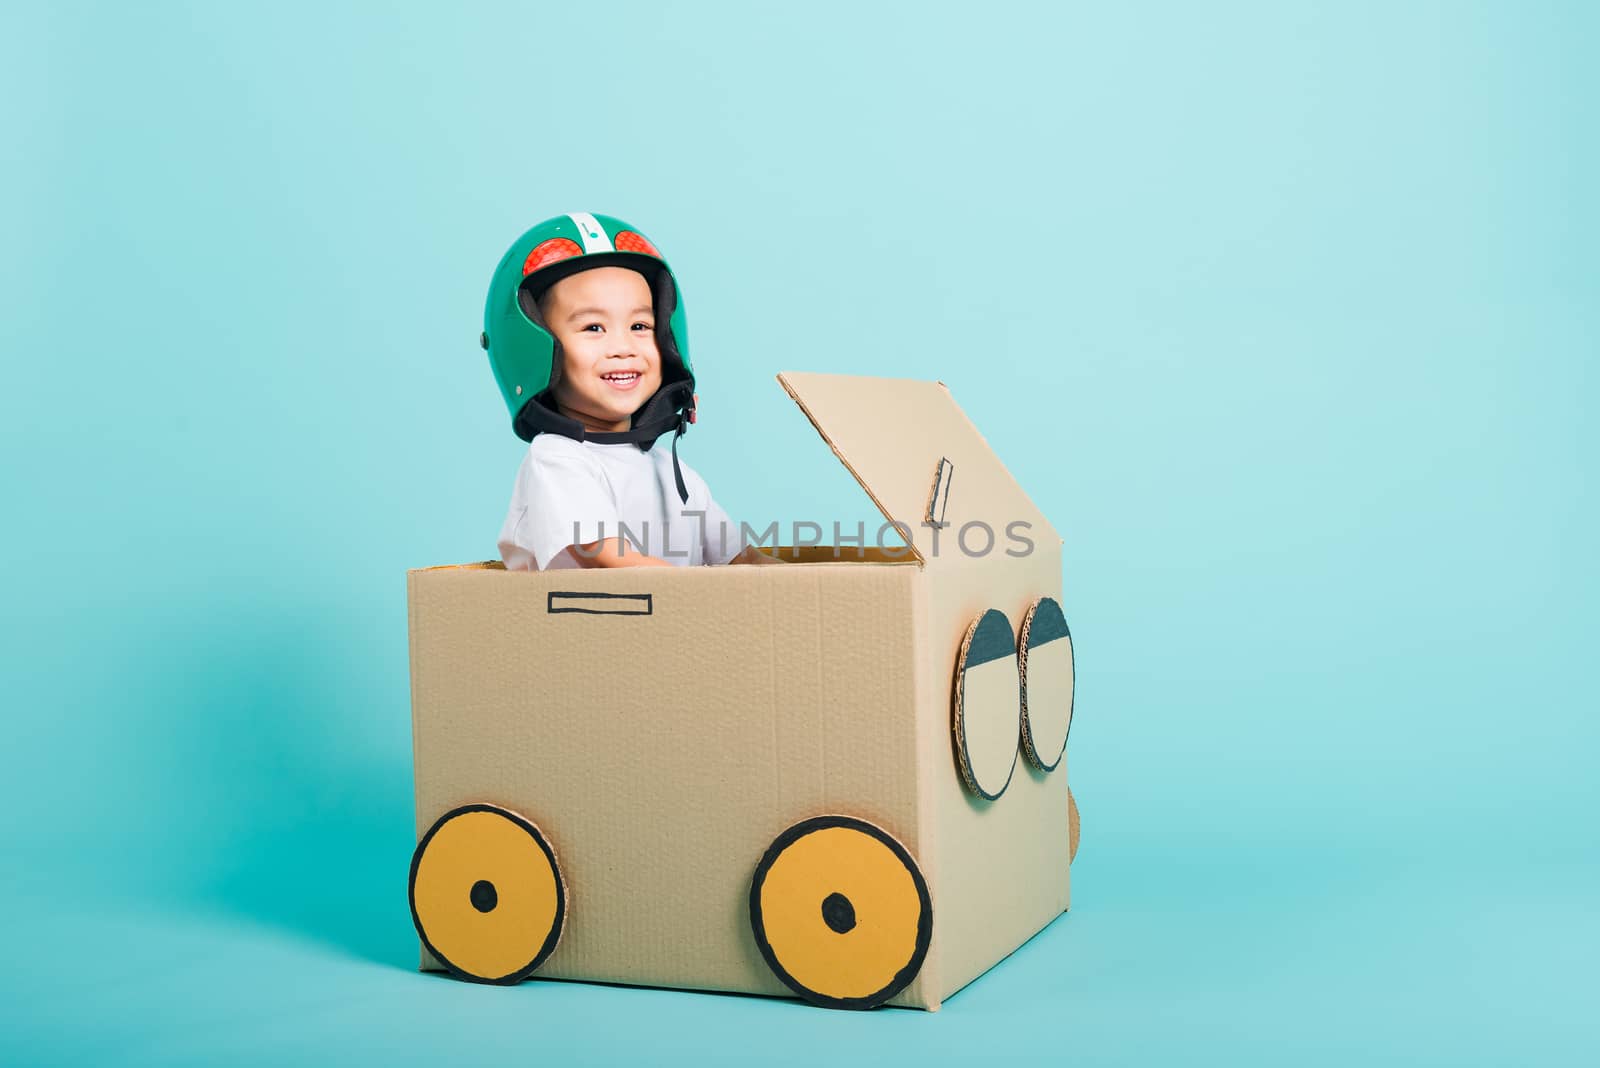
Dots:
pixel 840 912
pixel 486 894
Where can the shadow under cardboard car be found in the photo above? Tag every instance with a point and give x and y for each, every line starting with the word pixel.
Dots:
pixel 844 778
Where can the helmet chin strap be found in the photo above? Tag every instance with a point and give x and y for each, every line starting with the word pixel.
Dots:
pixel 663 412
pixel 644 435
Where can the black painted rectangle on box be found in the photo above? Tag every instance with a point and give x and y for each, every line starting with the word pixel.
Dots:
pixel 601 604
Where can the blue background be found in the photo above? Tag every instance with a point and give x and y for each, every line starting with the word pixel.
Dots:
pixel 1286 316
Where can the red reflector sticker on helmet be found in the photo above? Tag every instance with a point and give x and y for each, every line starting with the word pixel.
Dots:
pixel 628 241
pixel 548 252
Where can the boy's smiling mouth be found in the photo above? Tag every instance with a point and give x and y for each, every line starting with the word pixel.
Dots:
pixel 623 379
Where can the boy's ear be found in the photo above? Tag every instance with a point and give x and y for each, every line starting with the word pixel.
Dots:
pixel 694 407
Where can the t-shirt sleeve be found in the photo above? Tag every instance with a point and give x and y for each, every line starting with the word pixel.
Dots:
pixel 567 503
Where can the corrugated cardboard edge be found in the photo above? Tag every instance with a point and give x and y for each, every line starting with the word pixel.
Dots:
pixel 425 960
pixel 845 460
pixel 930 742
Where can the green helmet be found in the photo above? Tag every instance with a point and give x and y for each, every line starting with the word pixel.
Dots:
pixel 524 354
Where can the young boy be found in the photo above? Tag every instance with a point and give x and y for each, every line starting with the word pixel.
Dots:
pixel 585 332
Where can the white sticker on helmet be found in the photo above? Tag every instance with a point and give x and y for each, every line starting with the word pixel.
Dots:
pixel 595 238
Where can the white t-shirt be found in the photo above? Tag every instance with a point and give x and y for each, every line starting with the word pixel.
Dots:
pixel 575 492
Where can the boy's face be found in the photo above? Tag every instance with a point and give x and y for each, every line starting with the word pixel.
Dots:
pixel 606 324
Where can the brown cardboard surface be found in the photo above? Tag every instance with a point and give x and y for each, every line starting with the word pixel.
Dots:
pixel 892 433
pixel 664 726
pixel 662 753
pixel 1003 865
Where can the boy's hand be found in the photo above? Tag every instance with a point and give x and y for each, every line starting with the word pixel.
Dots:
pixel 614 552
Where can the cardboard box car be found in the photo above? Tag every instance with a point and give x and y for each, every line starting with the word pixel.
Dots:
pixel 826 778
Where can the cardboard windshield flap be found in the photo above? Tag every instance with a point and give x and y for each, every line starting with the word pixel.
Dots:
pixel 800 780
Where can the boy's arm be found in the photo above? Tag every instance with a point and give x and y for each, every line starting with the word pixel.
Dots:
pixel 613 552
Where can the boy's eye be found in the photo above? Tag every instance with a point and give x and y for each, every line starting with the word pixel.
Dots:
pixel 591 326
pixel 643 326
